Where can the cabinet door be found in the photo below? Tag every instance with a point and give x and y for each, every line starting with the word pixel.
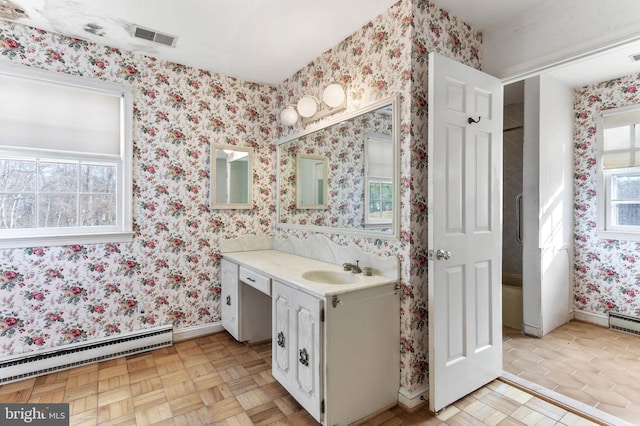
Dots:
pixel 297 363
pixel 281 338
pixel 230 298
pixel 308 354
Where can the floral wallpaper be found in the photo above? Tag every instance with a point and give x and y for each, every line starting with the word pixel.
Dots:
pixel 606 272
pixel 385 57
pixel 57 295
pixel 52 296
pixel 343 145
pixel 435 31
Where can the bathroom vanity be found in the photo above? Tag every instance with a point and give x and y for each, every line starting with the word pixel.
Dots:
pixel 335 334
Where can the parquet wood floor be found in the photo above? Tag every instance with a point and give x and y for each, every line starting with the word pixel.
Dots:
pixel 214 380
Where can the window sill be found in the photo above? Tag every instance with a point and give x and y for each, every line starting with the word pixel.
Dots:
pixel 373 225
pixel 618 235
pixel 64 240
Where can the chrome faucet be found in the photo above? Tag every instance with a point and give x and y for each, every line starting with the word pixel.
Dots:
pixel 353 268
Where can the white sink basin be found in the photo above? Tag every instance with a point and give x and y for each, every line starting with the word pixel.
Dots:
pixel 331 277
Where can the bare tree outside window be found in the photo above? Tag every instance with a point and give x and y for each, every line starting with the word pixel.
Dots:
pixel 380 200
pixel 97 195
pixel 17 194
pixel 67 194
pixel 625 200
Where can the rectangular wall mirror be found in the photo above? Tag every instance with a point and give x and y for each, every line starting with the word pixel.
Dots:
pixel 361 153
pixel 231 177
pixel 311 181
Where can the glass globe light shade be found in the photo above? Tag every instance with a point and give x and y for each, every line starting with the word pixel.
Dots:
pixel 307 106
pixel 333 95
pixel 289 116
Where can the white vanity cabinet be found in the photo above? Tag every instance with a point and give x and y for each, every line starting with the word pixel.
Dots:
pixel 230 296
pixel 337 356
pixel 246 303
pixel 335 341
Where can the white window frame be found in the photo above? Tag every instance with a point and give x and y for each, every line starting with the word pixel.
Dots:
pixel 374 222
pixel 370 222
pixel 604 227
pixel 122 231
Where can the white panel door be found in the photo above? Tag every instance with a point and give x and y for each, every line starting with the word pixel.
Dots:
pixel 465 230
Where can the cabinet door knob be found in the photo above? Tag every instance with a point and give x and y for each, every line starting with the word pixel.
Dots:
pixel 281 339
pixel 304 357
pixel 229 300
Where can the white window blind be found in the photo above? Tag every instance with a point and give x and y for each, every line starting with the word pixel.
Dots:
pixel 42 115
pixel 621 140
pixel 379 157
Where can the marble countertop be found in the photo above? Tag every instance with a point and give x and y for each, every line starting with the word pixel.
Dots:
pixel 289 268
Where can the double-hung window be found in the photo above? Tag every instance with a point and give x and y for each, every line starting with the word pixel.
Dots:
pixel 65 159
pixel 378 181
pixel 619 173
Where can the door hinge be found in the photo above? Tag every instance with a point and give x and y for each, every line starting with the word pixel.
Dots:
pixel 429 254
pixel 322 407
pixel 322 315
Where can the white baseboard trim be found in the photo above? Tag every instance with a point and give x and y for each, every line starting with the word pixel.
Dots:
pixel 411 400
pixel 590 317
pixel 196 331
pixel 531 330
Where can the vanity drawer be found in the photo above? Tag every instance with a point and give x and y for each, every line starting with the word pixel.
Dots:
pixel 255 280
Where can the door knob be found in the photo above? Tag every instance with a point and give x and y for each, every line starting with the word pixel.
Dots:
pixel 443 254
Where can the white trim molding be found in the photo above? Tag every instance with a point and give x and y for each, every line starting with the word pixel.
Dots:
pixel 590 317
pixel 531 330
pixel 413 399
pixel 196 331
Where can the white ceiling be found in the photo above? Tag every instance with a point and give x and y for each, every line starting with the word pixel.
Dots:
pixel 597 67
pixel 263 41
pixel 256 40
pixel 607 65
pixel 484 14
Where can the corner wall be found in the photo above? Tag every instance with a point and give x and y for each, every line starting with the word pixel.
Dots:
pixel 59 295
pixel 556 207
pixel 385 57
pixel 606 272
pixel 53 296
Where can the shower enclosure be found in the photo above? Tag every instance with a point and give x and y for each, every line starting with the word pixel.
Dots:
pixel 513 136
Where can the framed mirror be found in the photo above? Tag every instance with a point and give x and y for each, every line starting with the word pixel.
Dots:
pixel 231 177
pixel 311 181
pixel 361 151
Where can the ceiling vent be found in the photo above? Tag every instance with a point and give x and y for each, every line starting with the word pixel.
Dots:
pixel 154 36
pixel 635 58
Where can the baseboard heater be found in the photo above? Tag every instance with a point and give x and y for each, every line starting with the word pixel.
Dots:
pixel 22 366
pixel 624 323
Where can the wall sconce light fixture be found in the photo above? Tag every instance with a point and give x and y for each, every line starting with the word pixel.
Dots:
pixel 310 108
